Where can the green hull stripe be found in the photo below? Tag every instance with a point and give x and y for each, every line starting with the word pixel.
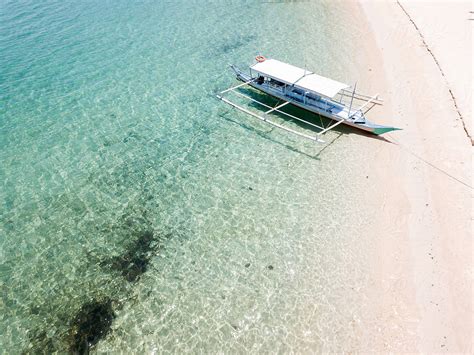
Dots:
pixel 379 131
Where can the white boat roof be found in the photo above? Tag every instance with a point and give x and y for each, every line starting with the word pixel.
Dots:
pixel 302 78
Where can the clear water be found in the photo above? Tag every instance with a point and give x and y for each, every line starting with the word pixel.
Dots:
pixel 110 130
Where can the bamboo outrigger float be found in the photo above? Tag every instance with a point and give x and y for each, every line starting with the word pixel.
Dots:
pixel 305 89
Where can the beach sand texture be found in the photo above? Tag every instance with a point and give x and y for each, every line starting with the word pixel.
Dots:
pixel 423 271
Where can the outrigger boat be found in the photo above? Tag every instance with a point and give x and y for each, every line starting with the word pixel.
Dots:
pixel 305 89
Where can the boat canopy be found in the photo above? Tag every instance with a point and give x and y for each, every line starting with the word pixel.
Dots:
pixel 305 79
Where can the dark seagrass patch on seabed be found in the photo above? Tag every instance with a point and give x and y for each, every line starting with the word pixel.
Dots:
pixel 135 259
pixel 91 323
pixel 81 331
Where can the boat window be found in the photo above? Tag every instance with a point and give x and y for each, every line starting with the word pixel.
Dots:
pixel 298 91
pixel 276 82
pixel 312 96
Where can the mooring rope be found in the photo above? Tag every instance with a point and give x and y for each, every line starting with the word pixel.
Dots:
pixel 428 163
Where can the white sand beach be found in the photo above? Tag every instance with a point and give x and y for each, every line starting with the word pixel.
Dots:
pixel 422 282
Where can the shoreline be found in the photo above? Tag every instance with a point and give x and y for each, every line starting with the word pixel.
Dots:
pixel 422 265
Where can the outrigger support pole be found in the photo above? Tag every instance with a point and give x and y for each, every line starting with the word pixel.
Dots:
pixel 237 86
pixel 361 97
pixel 277 107
pixel 282 112
pixel 368 102
pixel 264 119
pixel 330 127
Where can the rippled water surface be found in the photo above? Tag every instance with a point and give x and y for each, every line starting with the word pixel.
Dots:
pixel 138 212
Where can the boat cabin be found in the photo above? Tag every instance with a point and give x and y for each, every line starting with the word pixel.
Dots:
pixel 299 84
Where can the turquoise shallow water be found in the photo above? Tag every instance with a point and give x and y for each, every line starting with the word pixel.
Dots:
pixel 126 183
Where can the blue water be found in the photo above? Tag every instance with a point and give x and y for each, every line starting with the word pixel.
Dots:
pixel 110 133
